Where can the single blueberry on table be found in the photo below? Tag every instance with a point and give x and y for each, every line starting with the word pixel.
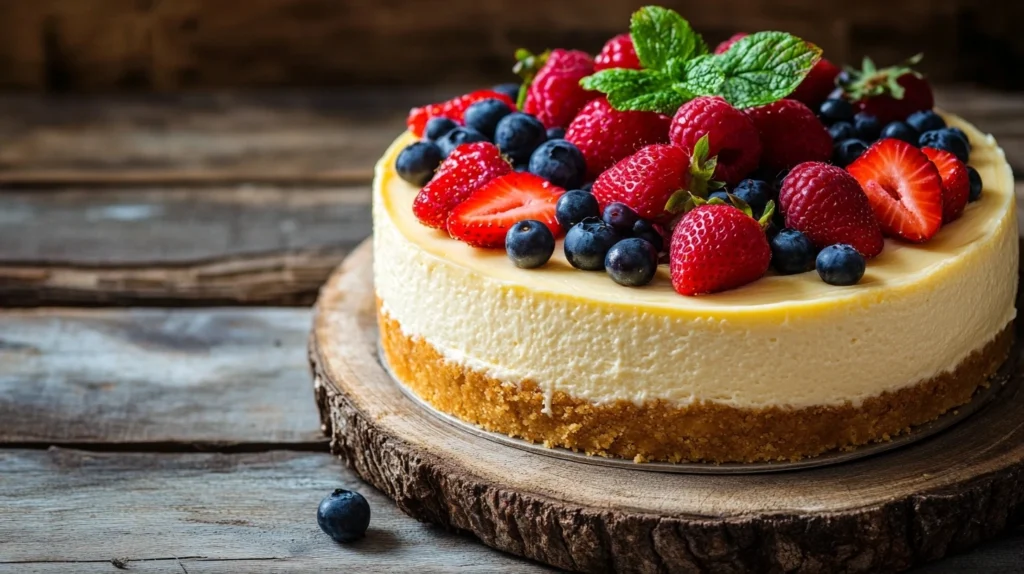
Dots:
pixel 344 515
pixel 900 131
pixel 837 110
pixel 556 133
pixel 755 193
pixel 632 262
pixel 842 131
pixel 437 127
pixel 510 89
pixel 458 136
pixel 574 206
pixel 648 231
pixel 975 179
pixel 846 152
pixel 946 140
pixel 587 243
pixel 621 217
pixel 925 121
pixel 840 264
pixel 559 162
pixel 529 244
pixel 518 135
pixel 792 252
pixel 867 126
pixel 417 162
pixel 483 116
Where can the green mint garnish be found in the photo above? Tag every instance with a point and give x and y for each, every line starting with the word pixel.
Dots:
pixel 660 35
pixel 765 67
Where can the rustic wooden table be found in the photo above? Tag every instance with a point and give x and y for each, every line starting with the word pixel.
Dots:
pixel 156 257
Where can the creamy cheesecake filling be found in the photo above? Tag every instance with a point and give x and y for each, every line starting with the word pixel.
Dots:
pixel 790 341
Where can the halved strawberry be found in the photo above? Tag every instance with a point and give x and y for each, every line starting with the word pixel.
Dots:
pixel 903 187
pixel 464 171
pixel 487 215
pixel 956 184
pixel 453 109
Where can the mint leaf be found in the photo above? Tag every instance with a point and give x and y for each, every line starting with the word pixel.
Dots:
pixel 660 34
pixel 765 67
pixel 636 90
pixel 700 76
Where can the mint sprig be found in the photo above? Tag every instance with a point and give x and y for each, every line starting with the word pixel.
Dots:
pixel 759 69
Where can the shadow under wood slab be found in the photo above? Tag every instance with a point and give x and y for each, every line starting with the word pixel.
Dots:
pixel 888 512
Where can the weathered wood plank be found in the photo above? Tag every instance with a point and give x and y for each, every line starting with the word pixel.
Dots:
pixel 215 245
pixel 214 512
pixel 157 379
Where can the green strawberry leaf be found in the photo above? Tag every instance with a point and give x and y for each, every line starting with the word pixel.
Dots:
pixel 527 66
pixel 660 34
pixel 740 205
pixel 765 67
pixel 636 90
pixel 766 217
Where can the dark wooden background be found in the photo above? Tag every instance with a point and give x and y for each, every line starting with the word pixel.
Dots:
pixel 75 45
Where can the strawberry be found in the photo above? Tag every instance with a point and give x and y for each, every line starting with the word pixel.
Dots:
pixel 904 189
pixel 889 94
pixel 790 134
pixel 467 168
pixel 956 183
pixel 555 95
pixel 606 135
pixel 733 136
pixel 724 46
pixel 818 84
pixel 617 53
pixel 452 109
pixel 715 248
pixel 485 217
pixel 828 206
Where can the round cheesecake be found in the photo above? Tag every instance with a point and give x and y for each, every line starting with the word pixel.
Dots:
pixel 783 368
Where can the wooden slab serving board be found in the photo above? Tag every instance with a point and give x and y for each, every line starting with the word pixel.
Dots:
pixel 884 513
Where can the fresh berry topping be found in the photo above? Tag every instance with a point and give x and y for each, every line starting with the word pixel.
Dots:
pixel 715 248
pixel 790 134
pixel 956 184
pixel 588 187
pixel 904 189
pixel 459 136
pixel 438 127
pixel 900 131
pixel 889 94
pixel 483 219
pixel 620 217
pixel 632 262
pixel 529 244
pixel 828 206
pixel 617 53
pixel 720 194
pixel 587 243
pixel 792 252
pixel 975 184
pixel 344 515
pixel 846 152
pixel 835 110
pixel 453 109
pixel 417 162
pixel 575 206
pixel 947 140
pixel 484 115
pixel 840 264
pixel 962 134
pixel 645 181
pixel 556 134
pixel 555 95
pixel 559 162
pixel 650 232
pixel 818 84
pixel 755 193
pixel 606 135
pixel 732 135
pixel 510 90
pixel 868 127
pixel 725 45
pixel 517 135
pixel 840 131
pixel 925 121
pixel 463 172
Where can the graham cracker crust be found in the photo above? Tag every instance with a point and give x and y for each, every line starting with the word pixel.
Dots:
pixel 658 431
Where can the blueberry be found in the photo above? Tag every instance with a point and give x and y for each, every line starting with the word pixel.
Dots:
pixel 559 162
pixel 587 243
pixel 719 194
pixel 417 162
pixel 925 121
pixel 344 515
pixel 846 152
pixel 755 193
pixel 963 136
pixel 867 126
pixel 840 264
pixel 832 111
pixel 575 206
pixel 556 133
pixel 529 244
pixel 632 262
pixel 792 252
pixel 621 217
pixel 437 127
pixel 946 140
pixel 842 131
pixel 510 89
pixel 975 178
pixel 458 136
pixel 647 231
pixel 483 116
pixel 518 135
pixel 900 131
